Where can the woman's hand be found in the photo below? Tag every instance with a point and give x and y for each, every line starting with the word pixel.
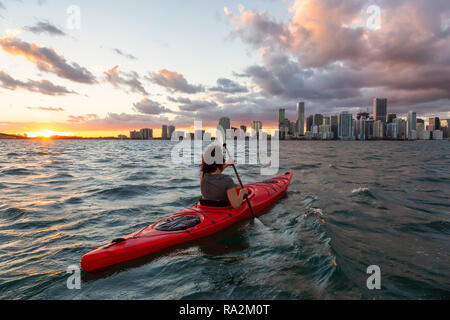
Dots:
pixel 244 192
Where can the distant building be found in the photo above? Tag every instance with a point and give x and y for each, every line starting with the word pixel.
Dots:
pixel 244 128
pixel 434 124
pixel 411 123
pixel 420 127
pixel 380 109
pixel 424 134
pixel 369 129
pixel 309 123
pixel 444 128
pixel 391 130
pixel 412 135
pixel 391 117
pixel 122 137
pixel 165 132
pixel 281 115
pixel 171 131
pixel 286 128
pixel 362 115
pixel 300 121
pixel 257 126
pixel 401 128
pixel 225 123
pixel 334 123
pixel 146 134
pixel 378 129
pixel 438 135
pixel 345 126
pixel 318 119
pixel 135 135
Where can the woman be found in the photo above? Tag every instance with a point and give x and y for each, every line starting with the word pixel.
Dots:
pixel 218 189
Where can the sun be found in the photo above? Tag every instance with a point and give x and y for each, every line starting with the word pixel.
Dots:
pixel 47 134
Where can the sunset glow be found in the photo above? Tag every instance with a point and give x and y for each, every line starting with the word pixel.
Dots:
pixel 48 134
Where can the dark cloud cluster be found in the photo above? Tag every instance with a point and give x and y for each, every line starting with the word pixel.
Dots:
pixel 45 27
pixel 42 86
pixel 126 55
pixel 150 107
pixel 174 82
pixel 130 80
pixel 47 59
pixel 228 86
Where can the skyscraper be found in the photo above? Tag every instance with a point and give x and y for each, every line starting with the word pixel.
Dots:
pixel 300 125
pixel 435 124
pixel 165 132
pixel 380 109
pixel 334 122
pixel 257 125
pixel 146 134
pixel 411 124
pixel 225 123
pixel 309 123
pixel 444 127
pixel 318 119
pixel 362 115
pixel 345 126
pixel 281 115
pixel 171 131
pixel 391 117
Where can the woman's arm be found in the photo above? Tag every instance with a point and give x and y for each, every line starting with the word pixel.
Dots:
pixel 235 199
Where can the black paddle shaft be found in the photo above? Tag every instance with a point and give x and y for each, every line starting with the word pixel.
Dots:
pixel 240 182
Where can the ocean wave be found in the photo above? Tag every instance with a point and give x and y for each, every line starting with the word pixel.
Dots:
pixel 13 213
pixel 125 192
pixel 307 166
pixel 142 175
pixel 363 192
pixel 17 172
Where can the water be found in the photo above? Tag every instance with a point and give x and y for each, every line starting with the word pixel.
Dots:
pixel 350 205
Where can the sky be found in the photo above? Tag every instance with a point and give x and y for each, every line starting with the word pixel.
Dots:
pixel 102 68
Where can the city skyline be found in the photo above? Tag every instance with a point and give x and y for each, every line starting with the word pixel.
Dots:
pixel 63 71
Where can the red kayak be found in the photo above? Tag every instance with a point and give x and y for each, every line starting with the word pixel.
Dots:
pixel 190 224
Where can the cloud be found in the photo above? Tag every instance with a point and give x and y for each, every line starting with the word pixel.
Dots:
pixel 126 55
pixel 186 104
pixel 228 86
pixel 45 27
pixel 83 118
pixel 324 53
pixel 150 107
pixel 52 109
pixel 173 81
pixel 131 80
pixel 46 59
pixel 42 86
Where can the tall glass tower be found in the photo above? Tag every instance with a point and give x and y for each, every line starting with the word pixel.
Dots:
pixel 380 109
pixel 281 115
pixel 345 126
pixel 411 123
pixel 301 118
